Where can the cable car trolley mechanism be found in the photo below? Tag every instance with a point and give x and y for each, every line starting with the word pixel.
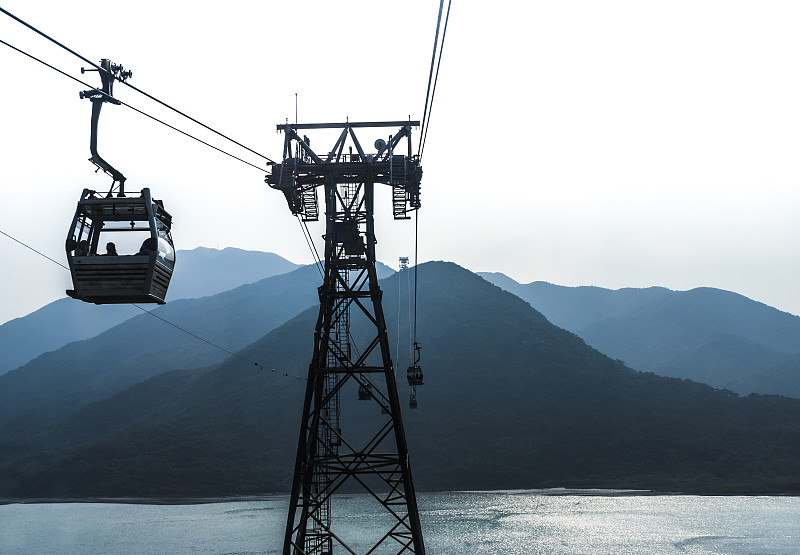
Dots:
pixel 134 231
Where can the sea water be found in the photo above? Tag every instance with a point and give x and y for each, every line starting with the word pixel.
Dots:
pixel 453 523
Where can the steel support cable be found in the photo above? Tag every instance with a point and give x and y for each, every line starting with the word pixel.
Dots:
pixel 410 322
pixel 190 118
pixel 93 64
pixel 416 265
pixel 424 135
pixel 430 74
pixel 136 110
pixel 193 137
pixel 51 39
pixel 316 254
pixel 312 247
pixel 65 74
pixel 34 250
pixel 240 357
pixel 353 343
pixel 157 120
pixel 184 330
pixel 399 306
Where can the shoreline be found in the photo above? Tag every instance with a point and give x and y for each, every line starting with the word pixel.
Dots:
pixel 166 500
pixel 161 500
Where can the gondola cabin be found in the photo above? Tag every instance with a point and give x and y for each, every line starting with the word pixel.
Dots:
pixel 364 393
pixel 414 375
pixel 120 249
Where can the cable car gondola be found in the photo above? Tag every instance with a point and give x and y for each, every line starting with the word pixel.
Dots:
pixel 135 231
pixel 414 375
pixel 364 393
pixel 414 372
pixel 123 274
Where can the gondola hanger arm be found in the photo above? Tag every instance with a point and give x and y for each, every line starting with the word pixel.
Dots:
pixel 109 72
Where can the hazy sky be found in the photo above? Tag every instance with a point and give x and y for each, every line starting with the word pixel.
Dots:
pixel 618 144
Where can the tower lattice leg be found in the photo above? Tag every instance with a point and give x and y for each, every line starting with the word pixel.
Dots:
pixel 328 457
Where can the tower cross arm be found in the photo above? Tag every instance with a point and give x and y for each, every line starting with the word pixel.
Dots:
pixel 292 134
pixel 287 126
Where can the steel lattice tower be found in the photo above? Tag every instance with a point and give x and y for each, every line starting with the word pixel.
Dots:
pixel 327 455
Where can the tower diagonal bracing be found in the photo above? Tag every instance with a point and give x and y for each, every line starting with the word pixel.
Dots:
pixel 372 455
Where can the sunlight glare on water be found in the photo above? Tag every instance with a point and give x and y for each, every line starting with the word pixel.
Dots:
pixel 509 523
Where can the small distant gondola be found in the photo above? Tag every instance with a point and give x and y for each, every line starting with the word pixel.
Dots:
pixel 139 256
pixel 414 372
pixel 134 231
pixel 364 393
pixel 414 375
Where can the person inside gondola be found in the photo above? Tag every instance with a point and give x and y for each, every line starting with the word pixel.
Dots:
pixel 82 249
pixel 149 246
pixel 111 250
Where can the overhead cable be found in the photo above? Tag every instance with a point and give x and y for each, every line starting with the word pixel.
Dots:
pixel 237 355
pixel 93 64
pixel 305 231
pixel 184 330
pixel 34 250
pixel 198 122
pixel 430 74
pixel 311 245
pixel 98 91
pixel 424 132
pixel 416 266
pixel 51 39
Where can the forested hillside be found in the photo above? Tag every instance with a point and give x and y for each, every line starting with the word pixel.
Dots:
pixel 707 335
pixel 199 272
pixel 510 401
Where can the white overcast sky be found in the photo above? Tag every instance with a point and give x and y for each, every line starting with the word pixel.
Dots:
pixel 609 143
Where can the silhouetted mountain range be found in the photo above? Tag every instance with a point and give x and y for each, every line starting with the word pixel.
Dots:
pixel 199 272
pixel 707 335
pixel 510 401
pixel 202 271
pixel 82 372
